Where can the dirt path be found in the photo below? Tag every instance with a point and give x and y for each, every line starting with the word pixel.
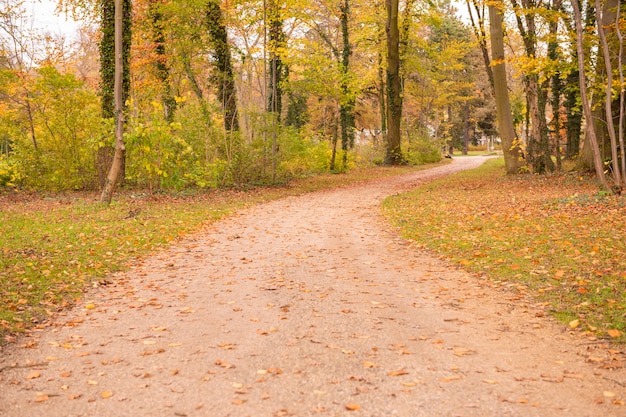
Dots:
pixel 308 306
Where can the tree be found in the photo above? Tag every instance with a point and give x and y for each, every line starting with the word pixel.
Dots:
pixel 393 154
pixel 223 74
pixel 107 76
pixel 118 157
pixel 591 133
pixel 510 145
pixel 346 105
pixel 161 59
pixel 538 147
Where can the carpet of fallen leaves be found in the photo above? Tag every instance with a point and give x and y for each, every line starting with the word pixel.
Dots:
pixel 555 238
pixel 53 246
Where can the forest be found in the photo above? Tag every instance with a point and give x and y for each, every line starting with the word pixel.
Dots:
pixel 222 93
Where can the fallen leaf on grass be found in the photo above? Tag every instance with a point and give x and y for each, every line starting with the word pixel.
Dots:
pixel 574 323
pixel 614 333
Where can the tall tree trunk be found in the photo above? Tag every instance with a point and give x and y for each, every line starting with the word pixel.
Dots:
pixel 556 84
pixel 161 61
pixel 510 146
pixel 346 107
pixel 574 114
pixel 608 102
pixel 538 144
pixel 276 66
pixel 591 133
pixel 107 77
pixel 394 94
pixel 481 35
pixel 381 97
pixel 116 166
pixel 223 74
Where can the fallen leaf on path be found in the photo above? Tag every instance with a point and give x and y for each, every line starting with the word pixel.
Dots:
pixel 41 398
pixel 224 364
pixel 107 394
pixel 368 364
pixel 451 378
pixel 464 352
pixel 398 372
pixel 609 394
pixel 490 381
pixel 33 375
pixel 574 323
pixel 353 407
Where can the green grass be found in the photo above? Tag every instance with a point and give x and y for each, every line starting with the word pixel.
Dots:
pixel 556 237
pixel 53 247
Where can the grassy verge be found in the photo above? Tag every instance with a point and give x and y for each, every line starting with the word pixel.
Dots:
pixel 53 247
pixel 556 238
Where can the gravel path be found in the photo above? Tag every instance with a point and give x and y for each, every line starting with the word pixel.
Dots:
pixel 308 306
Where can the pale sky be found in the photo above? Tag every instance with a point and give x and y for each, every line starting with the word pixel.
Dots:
pixel 46 20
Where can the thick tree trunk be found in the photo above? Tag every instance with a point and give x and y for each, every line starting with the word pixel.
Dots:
pixel 118 158
pixel 510 146
pixel 161 61
pixel 394 94
pixel 276 66
pixel 107 78
pixel 223 75
pixel 346 110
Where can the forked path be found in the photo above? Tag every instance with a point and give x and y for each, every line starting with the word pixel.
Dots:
pixel 308 306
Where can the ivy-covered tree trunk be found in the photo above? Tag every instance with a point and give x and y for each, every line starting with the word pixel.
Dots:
pixel 556 84
pixel 393 154
pixel 161 61
pixel 223 74
pixel 118 107
pixel 107 76
pixel 276 66
pixel 346 107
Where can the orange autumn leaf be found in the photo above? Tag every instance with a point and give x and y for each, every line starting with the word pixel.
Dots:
pixel 107 394
pixel 353 407
pixel 33 375
pixel 398 372
pixel 368 364
pixel 614 333
pixel 41 398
